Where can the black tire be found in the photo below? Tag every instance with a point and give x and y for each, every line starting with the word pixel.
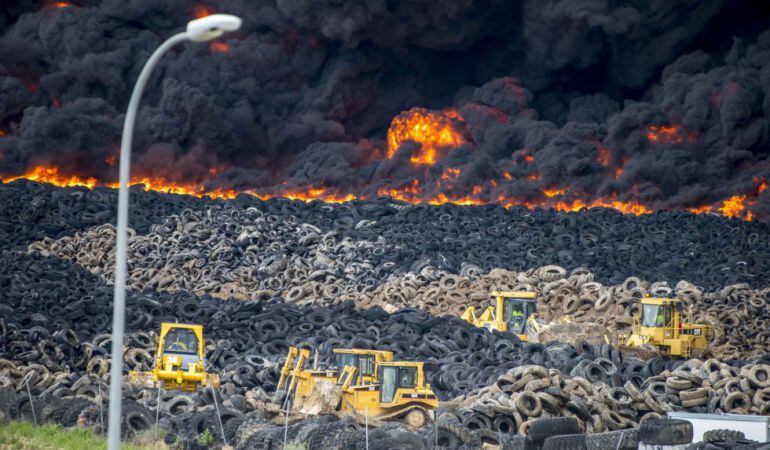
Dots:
pixel 565 442
pixel 613 440
pixel 542 429
pixel 722 435
pixel 665 432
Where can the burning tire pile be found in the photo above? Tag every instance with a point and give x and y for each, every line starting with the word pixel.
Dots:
pixel 263 276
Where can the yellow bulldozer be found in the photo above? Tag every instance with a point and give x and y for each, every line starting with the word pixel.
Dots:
pixel 180 362
pixel 514 312
pixel 661 328
pixel 366 384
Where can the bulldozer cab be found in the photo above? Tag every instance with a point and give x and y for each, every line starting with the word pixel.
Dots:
pixel 661 325
pixel 513 309
pixel 394 378
pixel 180 362
pixel 365 362
pixel 182 341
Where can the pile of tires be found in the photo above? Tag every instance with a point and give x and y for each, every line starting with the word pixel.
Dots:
pixel 265 275
pixel 599 399
pixel 727 439
pixel 707 250
pixel 227 252
pixel 61 322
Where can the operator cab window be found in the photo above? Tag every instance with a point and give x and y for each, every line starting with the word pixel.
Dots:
pixel 652 316
pixel 515 314
pixel 366 365
pixel 408 377
pixel 181 340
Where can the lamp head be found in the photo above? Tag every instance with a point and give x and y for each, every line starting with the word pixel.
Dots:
pixel 211 27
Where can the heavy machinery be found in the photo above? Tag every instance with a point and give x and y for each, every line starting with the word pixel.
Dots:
pixel 511 311
pixel 369 385
pixel 180 362
pixel 303 380
pixel 660 327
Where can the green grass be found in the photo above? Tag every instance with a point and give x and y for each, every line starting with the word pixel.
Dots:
pixel 26 436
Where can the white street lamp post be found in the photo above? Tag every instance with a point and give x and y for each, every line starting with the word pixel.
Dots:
pixel 199 30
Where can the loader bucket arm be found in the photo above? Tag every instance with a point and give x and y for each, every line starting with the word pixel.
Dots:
pixel 295 363
pixel 287 366
pixel 469 315
pixel 347 377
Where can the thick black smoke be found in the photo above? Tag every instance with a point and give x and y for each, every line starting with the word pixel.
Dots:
pixel 561 94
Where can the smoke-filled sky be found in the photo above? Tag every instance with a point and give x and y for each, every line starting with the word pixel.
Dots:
pixel 662 103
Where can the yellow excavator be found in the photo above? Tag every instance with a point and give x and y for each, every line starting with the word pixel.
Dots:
pixel 369 385
pixel 180 362
pixel 511 311
pixel 660 327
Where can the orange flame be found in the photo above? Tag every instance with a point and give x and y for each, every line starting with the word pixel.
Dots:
pixel 529 158
pixel 736 206
pixel 604 156
pixel 409 193
pixel 733 206
pixel 534 177
pixel 219 47
pixel 634 208
pixel 201 11
pixel 553 192
pixel 434 131
pixel 51 175
pixel 672 134
pixel 761 184
pixel 61 4
pixel 450 174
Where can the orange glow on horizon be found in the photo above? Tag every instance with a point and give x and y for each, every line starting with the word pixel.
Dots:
pixel 736 206
pixel 51 175
pixel 433 130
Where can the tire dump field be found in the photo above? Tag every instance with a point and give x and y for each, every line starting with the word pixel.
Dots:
pixel 262 276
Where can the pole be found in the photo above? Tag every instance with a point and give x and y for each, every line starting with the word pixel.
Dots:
pixel 157 411
pixel 119 302
pixel 286 421
pixel 219 416
pixel 366 426
pixel 435 432
pixel 101 406
pixel 31 403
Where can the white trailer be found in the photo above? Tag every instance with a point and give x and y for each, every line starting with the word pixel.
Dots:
pixel 754 427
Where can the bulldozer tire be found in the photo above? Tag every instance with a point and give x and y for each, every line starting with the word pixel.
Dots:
pixel 722 435
pixel 415 419
pixel 565 442
pixel 541 429
pixel 665 432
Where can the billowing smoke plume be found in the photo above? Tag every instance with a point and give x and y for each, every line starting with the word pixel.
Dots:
pixel 647 105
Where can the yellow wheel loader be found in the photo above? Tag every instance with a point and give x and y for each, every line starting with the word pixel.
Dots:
pixel 511 311
pixel 366 384
pixel 661 328
pixel 180 362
